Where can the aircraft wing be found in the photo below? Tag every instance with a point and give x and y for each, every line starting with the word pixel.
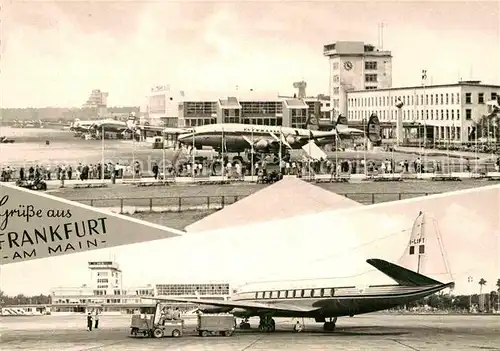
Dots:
pixel 248 305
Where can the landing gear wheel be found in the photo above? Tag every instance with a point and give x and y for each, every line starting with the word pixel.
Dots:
pixel 329 326
pixel 158 333
pixel 267 324
pixel 204 333
pixel 176 333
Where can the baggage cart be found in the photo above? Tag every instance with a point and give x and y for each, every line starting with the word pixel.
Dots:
pixel 216 324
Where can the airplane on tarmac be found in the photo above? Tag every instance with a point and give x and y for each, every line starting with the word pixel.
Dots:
pixel 329 300
pixel 264 139
pixel 109 125
pixel 324 302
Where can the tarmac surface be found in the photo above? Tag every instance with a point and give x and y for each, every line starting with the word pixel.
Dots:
pixel 367 332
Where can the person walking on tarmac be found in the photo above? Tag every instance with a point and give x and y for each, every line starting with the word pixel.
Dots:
pixel 89 322
pixel 96 318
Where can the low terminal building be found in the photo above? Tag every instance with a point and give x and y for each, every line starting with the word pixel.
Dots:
pixel 171 108
pixel 106 293
pixel 447 112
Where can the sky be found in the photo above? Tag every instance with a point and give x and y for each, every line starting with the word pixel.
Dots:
pixel 55 53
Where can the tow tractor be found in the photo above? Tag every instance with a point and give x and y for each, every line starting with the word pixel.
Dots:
pixel 149 325
pixel 35 184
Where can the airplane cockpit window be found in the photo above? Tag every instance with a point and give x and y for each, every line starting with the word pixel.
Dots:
pixel 412 250
pixel 421 249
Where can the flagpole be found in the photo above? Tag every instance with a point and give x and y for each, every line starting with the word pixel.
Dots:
pixel 133 156
pixel 280 154
pixel 192 158
pixel 336 152
pixel 163 153
pixel 102 154
pixel 222 154
pixel 365 146
pixel 251 161
pixel 309 158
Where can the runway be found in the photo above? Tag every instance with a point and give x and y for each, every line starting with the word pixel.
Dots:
pixel 368 332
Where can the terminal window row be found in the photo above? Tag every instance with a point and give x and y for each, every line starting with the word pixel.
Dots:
pixel 421 99
pixel 410 115
pixel 305 293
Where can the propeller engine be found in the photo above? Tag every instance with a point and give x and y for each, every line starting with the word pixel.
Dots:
pixel 290 139
pixel 261 145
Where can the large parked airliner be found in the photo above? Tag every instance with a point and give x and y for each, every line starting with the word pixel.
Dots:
pixel 266 139
pixel 342 297
pixel 326 302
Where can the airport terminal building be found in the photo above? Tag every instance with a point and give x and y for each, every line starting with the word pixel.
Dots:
pixel 360 81
pixel 106 292
pixel 448 112
pixel 171 108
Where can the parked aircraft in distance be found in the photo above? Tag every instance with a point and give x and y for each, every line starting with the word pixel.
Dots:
pixel 264 139
pixel 316 299
pixel 109 125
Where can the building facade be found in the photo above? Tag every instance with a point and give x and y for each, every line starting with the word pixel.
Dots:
pixel 354 66
pixel 179 109
pixel 105 292
pixel 447 112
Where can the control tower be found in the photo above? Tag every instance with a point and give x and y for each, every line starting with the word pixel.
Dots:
pixel 302 89
pixel 355 65
pixel 106 276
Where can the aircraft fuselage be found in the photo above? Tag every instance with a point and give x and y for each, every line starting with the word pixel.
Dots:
pixel 242 141
pixel 336 302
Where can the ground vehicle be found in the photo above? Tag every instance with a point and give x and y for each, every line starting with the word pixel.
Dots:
pixel 216 324
pixel 149 325
pixel 36 184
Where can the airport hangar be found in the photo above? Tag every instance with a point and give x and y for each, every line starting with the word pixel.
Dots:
pixel 360 81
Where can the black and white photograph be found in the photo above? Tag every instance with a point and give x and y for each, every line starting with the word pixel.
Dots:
pixel 249 175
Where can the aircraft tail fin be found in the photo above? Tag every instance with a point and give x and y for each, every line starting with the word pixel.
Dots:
pixel 340 123
pixel 400 274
